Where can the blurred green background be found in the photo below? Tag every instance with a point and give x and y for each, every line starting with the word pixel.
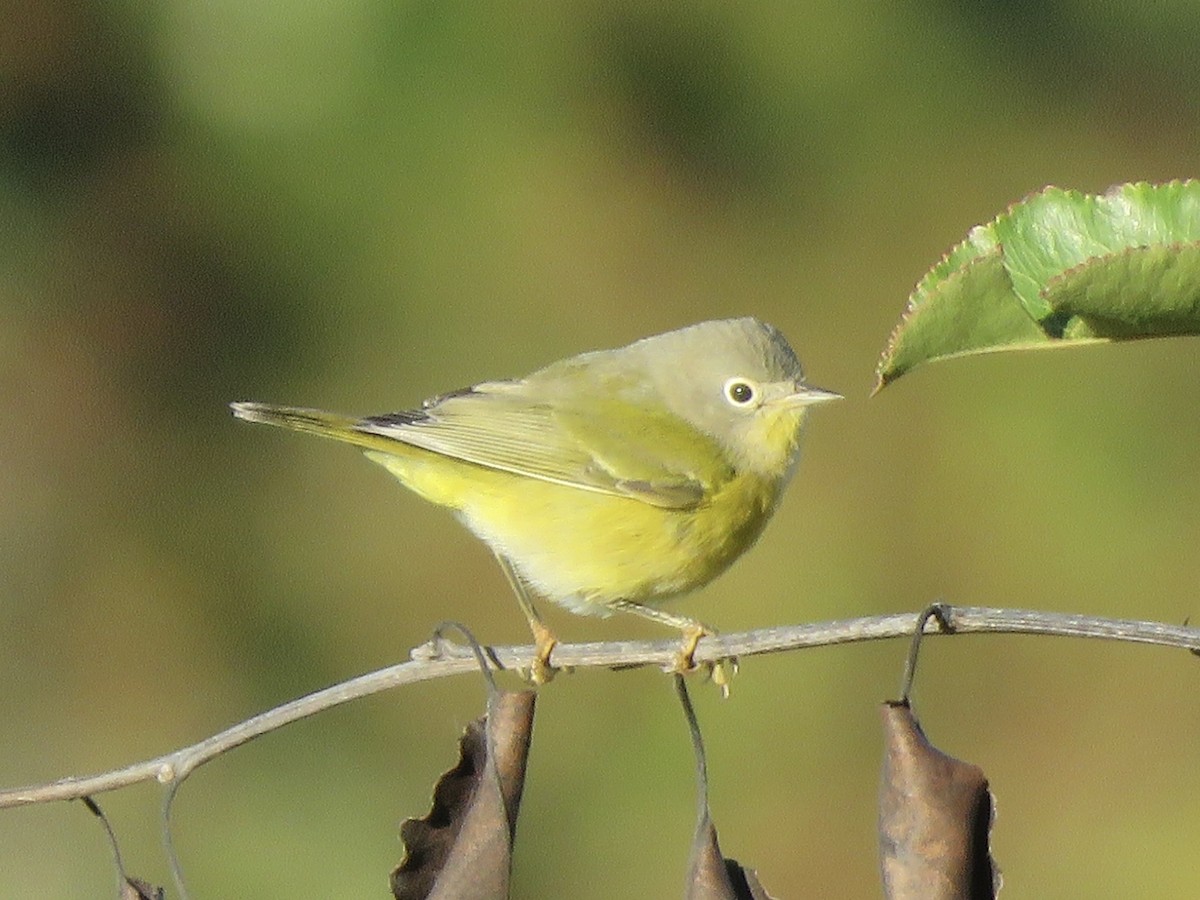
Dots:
pixel 357 205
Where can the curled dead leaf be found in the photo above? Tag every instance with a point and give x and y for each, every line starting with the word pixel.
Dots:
pixel 935 817
pixel 463 848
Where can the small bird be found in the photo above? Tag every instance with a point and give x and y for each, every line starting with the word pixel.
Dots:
pixel 609 481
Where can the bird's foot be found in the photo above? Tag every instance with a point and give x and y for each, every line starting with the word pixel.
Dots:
pixel 540 670
pixel 720 671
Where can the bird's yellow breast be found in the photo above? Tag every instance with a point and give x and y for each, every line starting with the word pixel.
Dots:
pixel 584 549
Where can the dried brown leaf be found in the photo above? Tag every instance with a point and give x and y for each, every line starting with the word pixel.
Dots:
pixel 136 889
pixel 708 878
pixel 711 876
pixel 935 817
pixel 463 848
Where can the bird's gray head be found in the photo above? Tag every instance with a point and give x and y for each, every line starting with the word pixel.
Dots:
pixel 737 380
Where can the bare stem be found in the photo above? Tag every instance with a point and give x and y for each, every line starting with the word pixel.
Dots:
pixel 440 659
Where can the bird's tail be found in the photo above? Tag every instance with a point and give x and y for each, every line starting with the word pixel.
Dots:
pixel 313 421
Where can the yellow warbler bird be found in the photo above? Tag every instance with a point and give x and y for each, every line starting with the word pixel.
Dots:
pixel 608 481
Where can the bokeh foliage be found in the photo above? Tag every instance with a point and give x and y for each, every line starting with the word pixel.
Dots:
pixel 357 205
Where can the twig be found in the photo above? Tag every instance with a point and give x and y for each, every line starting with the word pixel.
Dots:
pixel 939 613
pixel 453 659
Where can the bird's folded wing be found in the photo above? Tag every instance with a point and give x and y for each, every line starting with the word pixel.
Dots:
pixel 609 444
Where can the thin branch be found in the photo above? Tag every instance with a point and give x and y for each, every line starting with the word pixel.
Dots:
pixel 441 659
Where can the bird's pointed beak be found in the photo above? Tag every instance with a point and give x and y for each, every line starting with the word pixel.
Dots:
pixel 806 395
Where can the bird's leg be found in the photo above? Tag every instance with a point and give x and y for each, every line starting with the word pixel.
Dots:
pixel 691 639
pixel 721 671
pixel 544 641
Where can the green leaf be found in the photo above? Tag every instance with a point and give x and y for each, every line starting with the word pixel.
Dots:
pixel 1058 269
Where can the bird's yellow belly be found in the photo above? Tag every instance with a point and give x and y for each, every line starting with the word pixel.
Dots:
pixel 583 548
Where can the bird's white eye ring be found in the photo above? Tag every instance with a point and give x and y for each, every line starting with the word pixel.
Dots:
pixel 740 391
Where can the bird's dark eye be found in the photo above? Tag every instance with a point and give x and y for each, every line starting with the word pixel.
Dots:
pixel 739 391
